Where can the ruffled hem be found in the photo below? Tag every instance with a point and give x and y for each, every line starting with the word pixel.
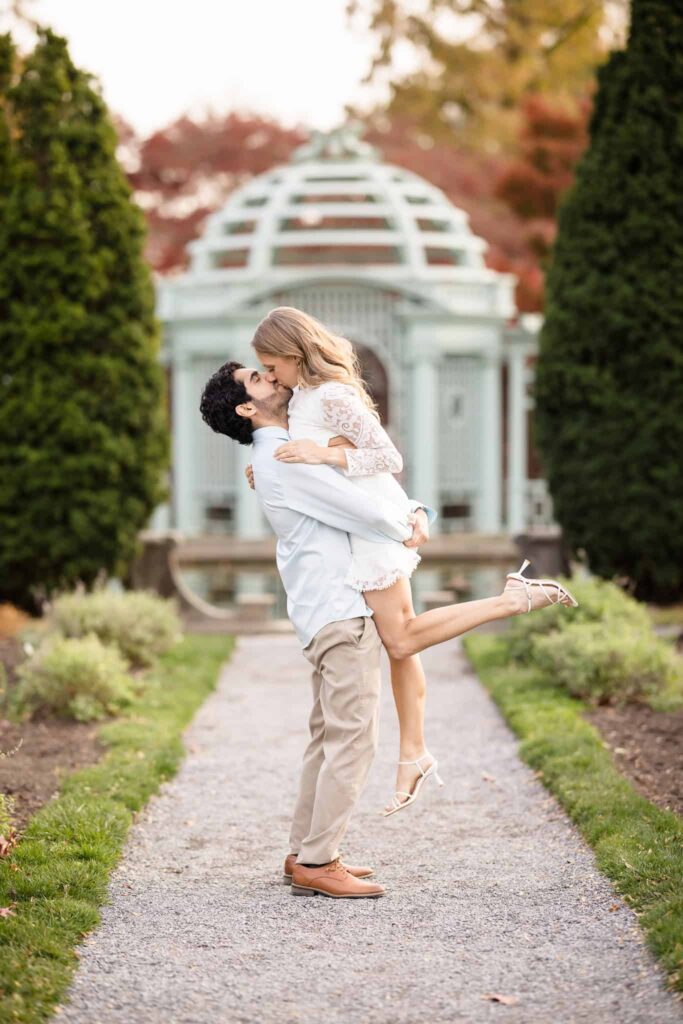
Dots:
pixel 384 578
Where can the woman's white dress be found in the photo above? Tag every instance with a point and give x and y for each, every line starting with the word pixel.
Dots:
pixel 332 409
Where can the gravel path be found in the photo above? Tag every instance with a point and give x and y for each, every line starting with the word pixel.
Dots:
pixel 492 890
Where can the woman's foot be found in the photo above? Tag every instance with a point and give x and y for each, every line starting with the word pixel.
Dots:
pixel 528 594
pixel 407 775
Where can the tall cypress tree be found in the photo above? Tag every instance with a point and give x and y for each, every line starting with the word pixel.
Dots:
pixel 609 378
pixel 82 425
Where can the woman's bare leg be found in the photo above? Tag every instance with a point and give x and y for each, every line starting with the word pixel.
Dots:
pixel 404 634
pixel 407 680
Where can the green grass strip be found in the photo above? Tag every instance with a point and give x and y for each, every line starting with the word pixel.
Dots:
pixel 58 873
pixel 637 845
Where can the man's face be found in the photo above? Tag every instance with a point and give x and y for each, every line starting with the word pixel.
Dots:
pixel 268 397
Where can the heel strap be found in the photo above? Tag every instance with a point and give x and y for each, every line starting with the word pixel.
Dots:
pixel 417 762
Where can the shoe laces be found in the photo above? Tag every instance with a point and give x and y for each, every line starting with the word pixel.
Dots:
pixel 337 865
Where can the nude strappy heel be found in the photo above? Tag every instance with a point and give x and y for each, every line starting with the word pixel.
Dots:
pixel 556 598
pixel 397 804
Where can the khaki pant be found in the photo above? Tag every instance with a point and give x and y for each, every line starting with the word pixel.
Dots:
pixel 344 725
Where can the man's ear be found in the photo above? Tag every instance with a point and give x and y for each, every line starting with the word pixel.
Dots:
pixel 246 410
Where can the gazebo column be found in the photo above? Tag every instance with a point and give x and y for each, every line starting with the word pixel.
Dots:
pixel 425 445
pixel 517 440
pixel 490 463
pixel 186 507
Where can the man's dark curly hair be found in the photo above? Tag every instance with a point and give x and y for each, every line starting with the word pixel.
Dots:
pixel 221 394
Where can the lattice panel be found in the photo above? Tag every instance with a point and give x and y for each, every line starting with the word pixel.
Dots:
pixel 364 314
pixel 459 425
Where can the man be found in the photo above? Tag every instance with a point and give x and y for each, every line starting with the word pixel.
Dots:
pixel 312 509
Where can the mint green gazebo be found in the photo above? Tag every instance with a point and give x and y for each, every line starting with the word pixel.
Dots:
pixel 385 259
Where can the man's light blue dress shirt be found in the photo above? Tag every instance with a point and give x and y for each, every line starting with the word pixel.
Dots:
pixel 312 509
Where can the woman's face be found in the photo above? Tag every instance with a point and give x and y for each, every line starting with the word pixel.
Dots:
pixel 280 369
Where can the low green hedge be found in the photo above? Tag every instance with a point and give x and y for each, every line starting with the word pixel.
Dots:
pixel 82 679
pixel 611 661
pixel 141 624
pixel 604 651
pixel 87 657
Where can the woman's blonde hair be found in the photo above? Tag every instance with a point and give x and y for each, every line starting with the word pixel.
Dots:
pixel 321 355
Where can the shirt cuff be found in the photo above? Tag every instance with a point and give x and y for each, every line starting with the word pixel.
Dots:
pixel 431 513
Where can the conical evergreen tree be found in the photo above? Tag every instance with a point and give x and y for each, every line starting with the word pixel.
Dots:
pixel 609 378
pixel 82 424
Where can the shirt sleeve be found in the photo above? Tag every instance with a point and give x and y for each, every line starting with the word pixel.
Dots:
pixel 343 411
pixel 324 494
pixel 429 511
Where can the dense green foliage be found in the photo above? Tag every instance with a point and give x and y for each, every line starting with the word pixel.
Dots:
pixel 604 651
pixel 609 378
pixel 612 663
pixel 56 879
pixel 141 625
pixel 74 677
pixel 83 442
pixel 637 845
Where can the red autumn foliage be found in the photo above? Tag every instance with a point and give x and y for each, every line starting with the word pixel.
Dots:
pixel 551 142
pixel 183 172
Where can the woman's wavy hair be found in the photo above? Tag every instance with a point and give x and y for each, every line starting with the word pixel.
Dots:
pixel 321 355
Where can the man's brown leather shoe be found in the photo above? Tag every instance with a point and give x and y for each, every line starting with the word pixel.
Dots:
pixel 332 879
pixel 290 861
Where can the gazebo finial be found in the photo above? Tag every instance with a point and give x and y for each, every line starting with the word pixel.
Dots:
pixel 342 143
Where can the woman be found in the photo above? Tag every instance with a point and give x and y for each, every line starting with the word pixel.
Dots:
pixel 332 420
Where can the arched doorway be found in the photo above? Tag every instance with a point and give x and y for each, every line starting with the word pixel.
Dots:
pixel 375 376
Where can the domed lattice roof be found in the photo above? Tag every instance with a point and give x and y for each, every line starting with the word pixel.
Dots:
pixel 337 206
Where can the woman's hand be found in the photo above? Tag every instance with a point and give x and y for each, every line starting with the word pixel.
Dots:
pixel 420 529
pixel 249 473
pixel 304 451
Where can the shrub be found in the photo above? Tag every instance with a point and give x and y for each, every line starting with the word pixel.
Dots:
pixel 607 662
pixel 140 624
pixel 599 601
pixel 79 678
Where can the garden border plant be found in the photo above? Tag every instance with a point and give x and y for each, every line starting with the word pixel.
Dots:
pixel 637 845
pixel 55 880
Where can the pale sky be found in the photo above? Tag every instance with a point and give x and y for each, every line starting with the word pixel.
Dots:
pixel 297 60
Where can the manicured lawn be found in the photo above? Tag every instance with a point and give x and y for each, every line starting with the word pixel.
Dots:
pixel 637 845
pixel 56 879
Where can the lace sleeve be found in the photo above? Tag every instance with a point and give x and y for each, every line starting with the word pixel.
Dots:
pixel 344 412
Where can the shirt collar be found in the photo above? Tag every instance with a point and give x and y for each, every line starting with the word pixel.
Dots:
pixel 262 433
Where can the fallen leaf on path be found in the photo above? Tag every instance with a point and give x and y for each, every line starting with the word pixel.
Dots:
pixel 495 997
